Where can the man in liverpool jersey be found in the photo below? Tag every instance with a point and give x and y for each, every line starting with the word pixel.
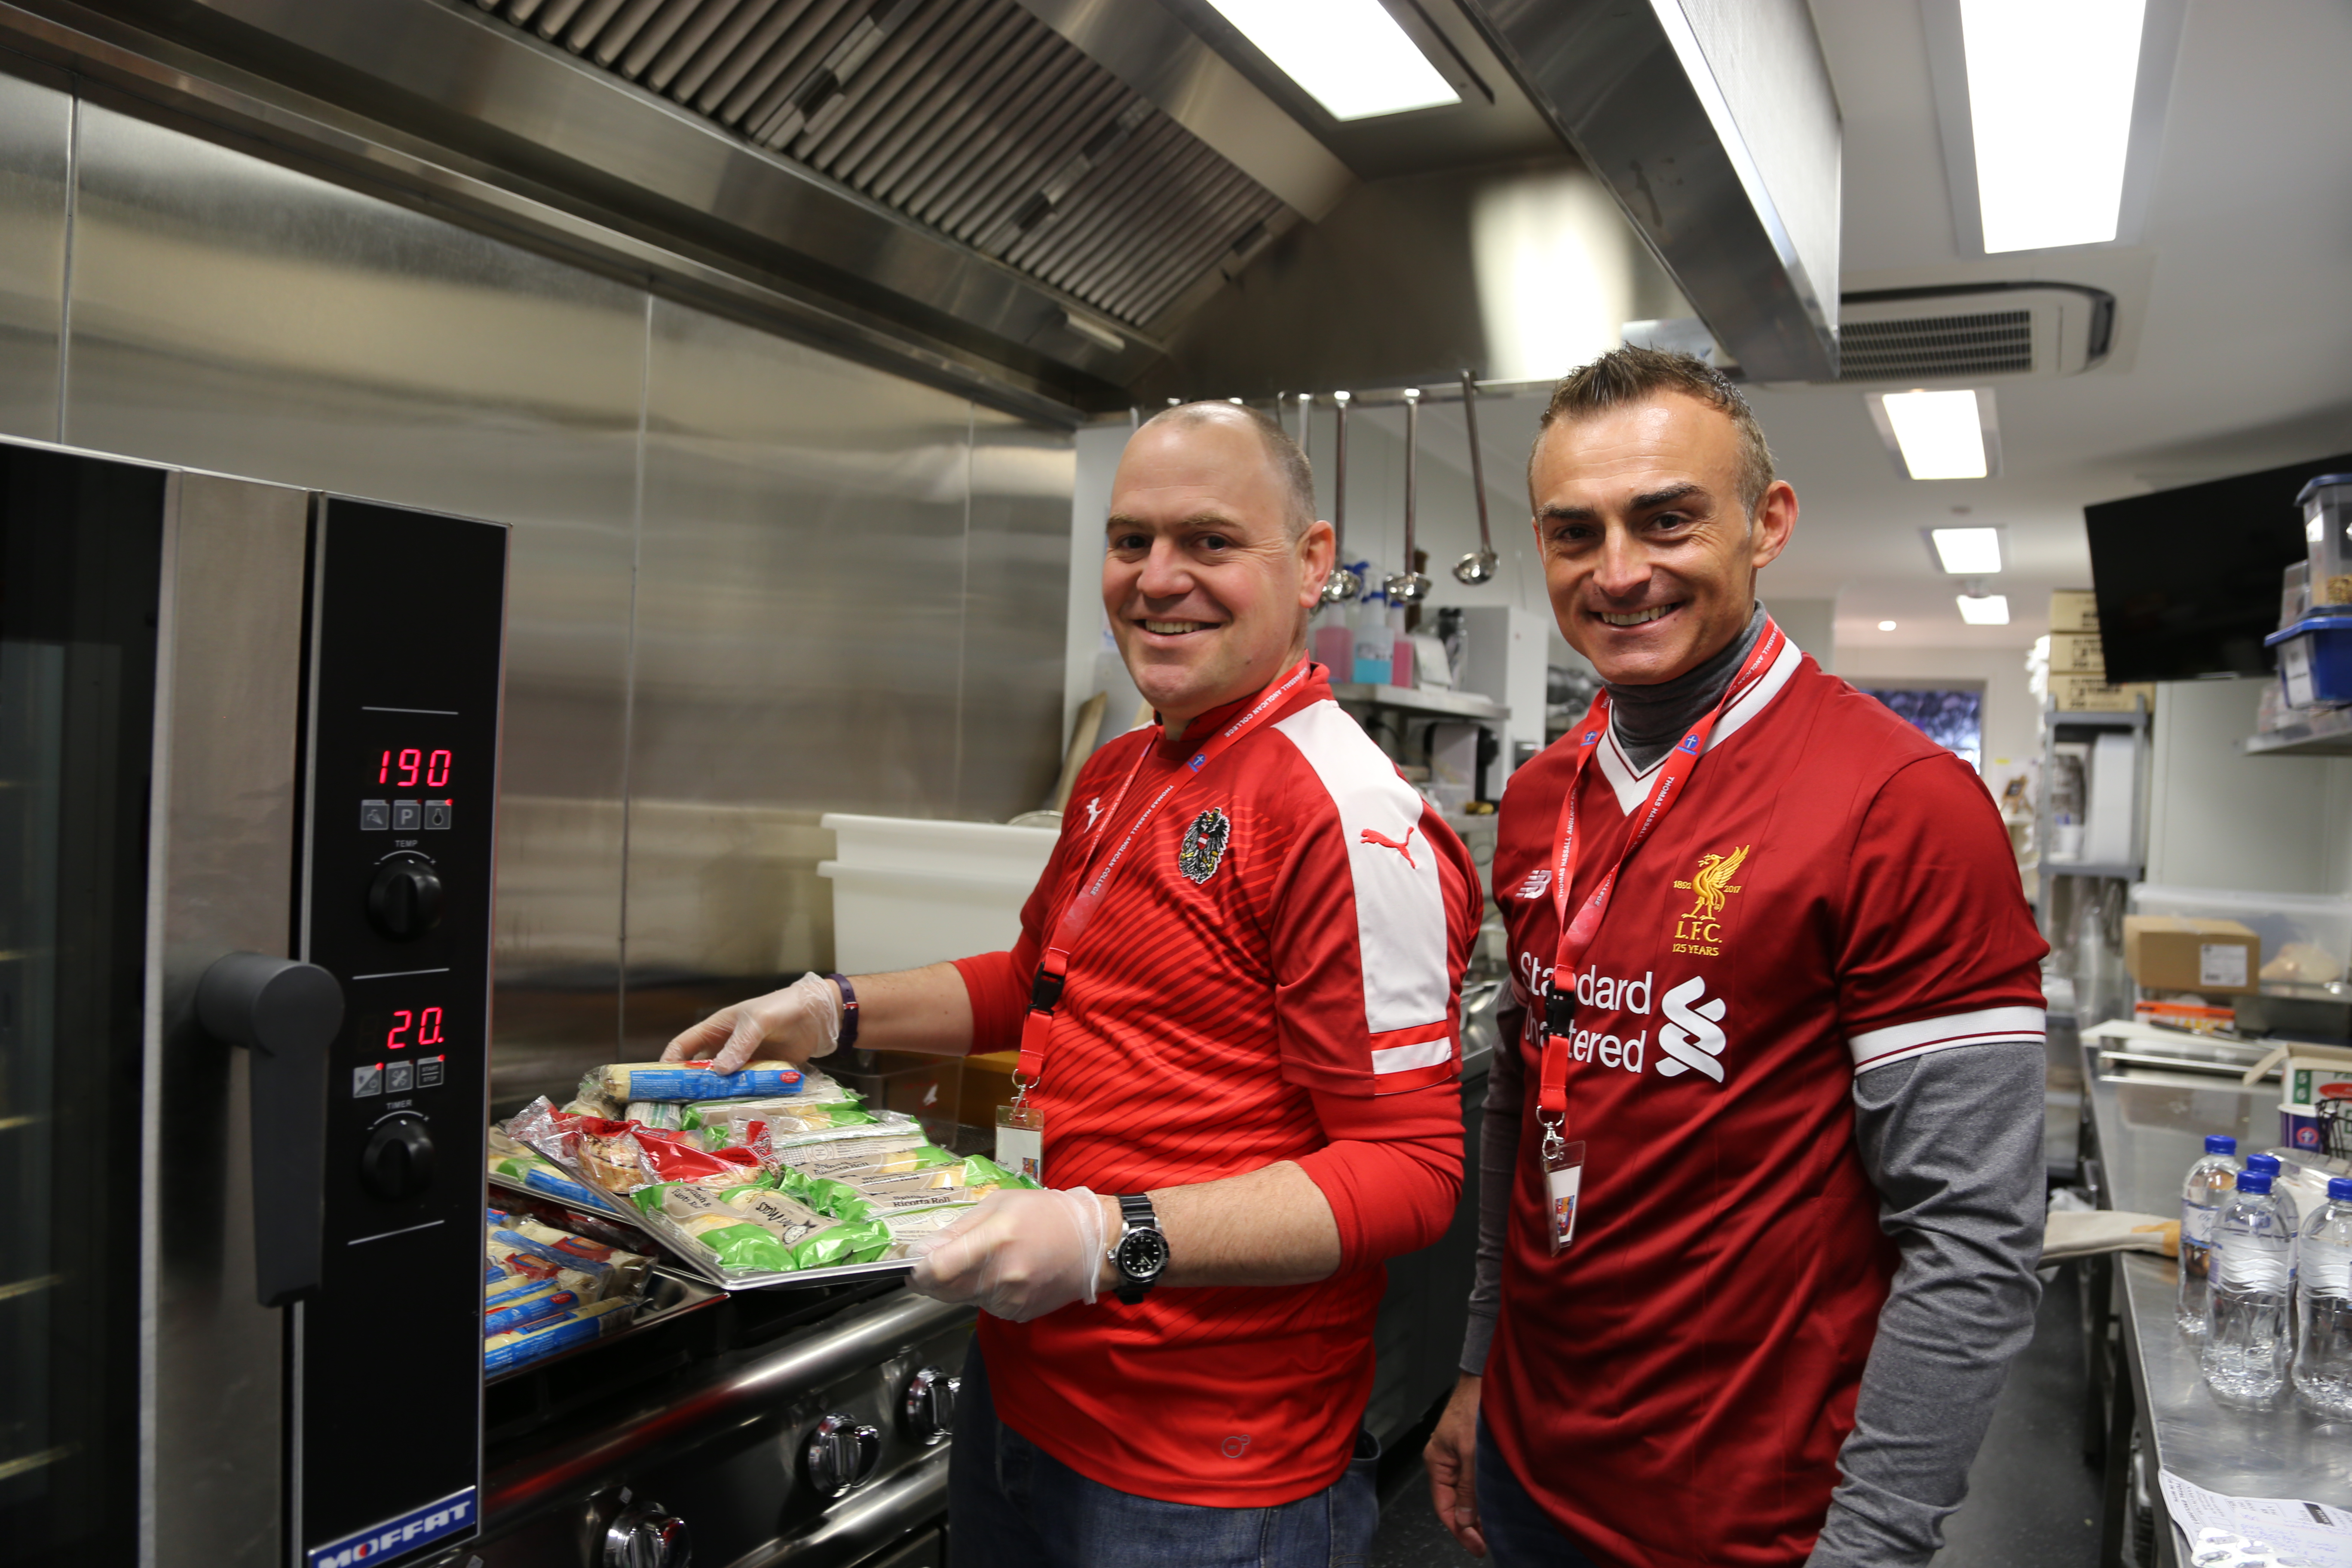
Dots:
pixel 1236 997
pixel 1801 1053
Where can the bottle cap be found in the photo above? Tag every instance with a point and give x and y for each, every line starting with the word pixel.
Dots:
pixel 2267 1164
pixel 2254 1181
pixel 2217 1144
pixel 2339 1189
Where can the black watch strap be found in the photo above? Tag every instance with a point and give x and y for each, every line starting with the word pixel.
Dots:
pixel 1136 1213
pixel 848 1012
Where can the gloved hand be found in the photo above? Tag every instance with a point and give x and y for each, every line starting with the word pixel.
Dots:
pixel 800 1022
pixel 1019 1254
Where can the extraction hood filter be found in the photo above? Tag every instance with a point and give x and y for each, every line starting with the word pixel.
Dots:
pixel 970 118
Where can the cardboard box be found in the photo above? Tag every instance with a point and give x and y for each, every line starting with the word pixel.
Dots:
pixel 2092 694
pixel 2074 610
pixel 2175 953
pixel 2077 653
pixel 987 1084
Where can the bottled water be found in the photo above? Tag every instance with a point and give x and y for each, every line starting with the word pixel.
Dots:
pixel 2249 1335
pixel 2268 1165
pixel 2323 1360
pixel 2202 1197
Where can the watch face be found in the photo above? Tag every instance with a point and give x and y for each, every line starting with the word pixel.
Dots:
pixel 1142 1254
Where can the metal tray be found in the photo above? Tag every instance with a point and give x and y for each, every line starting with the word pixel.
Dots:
pixel 684 1259
pixel 668 1297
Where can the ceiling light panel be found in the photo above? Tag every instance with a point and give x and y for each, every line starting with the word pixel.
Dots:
pixel 1940 435
pixel 1985 610
pixel 2050 112
pixel 1968 551
pixel 1349 55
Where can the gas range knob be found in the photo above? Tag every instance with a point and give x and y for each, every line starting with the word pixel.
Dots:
pixel 842 1455
pixel 930 1405
pixel 405 899
pixel 647 1536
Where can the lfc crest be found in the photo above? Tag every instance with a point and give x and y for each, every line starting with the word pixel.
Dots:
pixel 1700 930
pixel 1204 849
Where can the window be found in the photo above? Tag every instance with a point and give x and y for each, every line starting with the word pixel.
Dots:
pixel 1950 717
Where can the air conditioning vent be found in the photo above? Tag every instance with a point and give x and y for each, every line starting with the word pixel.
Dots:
pixel 1972 333
pixel 1920 348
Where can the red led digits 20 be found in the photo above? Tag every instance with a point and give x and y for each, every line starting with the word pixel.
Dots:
pixel 427 1025
pixel 415 766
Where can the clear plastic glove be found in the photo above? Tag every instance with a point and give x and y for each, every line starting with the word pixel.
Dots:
pixel 801 1022
pixel 1018 1255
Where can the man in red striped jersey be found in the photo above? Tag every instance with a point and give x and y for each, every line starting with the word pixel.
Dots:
pixel 1765 1171
pixel 1236 995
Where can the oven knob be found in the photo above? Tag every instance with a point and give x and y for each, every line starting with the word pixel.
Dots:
pixel 405 899
pixel 930 1405
pixel 646 1536
pixel 842 1455
pixel 398 1160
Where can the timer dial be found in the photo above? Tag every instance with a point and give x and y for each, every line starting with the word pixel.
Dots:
pixel 405 899
pixel 398 1160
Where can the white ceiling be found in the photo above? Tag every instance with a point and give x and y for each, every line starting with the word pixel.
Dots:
pixel 2233 338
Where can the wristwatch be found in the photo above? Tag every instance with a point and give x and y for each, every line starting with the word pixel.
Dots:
pixel 1141 1253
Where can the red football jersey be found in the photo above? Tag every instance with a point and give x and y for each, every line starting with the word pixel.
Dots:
pixel 1833 892
pixel 1295 922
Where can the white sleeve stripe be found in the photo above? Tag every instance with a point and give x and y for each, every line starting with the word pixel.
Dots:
pixel 1427 1054
pixel 1876 1047
pixel 1401 936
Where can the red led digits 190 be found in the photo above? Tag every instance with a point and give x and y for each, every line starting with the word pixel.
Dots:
pixel 411 767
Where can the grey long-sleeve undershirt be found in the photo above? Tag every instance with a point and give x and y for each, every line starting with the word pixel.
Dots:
pixel 1953 1143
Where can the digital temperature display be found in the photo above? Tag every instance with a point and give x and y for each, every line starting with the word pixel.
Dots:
pixel 403 1029
pixel 409 766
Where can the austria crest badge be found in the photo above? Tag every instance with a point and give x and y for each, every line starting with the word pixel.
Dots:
pixel 1204 849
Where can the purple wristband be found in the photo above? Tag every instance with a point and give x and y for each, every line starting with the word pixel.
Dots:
pixel 849 1035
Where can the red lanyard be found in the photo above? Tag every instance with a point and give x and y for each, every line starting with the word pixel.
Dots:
pixel 1046 990
pixel 1576 936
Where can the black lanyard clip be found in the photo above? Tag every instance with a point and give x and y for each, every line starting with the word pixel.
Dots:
pixel 1045 991
pixel 1559 1011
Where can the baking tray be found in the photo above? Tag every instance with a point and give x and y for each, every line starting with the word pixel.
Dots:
pixel 682 1260
pixel 669 1295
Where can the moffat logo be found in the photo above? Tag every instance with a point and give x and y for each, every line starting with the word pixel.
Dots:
pixel 396 1537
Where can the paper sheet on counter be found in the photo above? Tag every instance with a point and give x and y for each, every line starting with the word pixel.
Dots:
pixel 2316 1533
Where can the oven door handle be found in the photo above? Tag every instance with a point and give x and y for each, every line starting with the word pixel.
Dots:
pixel 286 1015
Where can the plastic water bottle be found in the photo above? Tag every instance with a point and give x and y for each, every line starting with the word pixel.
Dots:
pixel 2323 1358
pixel 2202 1197
pixel 2268 1165
pixel 2251 1333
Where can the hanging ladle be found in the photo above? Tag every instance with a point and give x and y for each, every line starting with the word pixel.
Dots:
pixel 1342 586
pixel 1478 566
pixel 1409 586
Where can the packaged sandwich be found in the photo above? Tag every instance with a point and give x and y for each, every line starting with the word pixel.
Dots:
pixel 520 1273
pixel 723 1124
pixel 513 1160
pixel 535 1306
pixel 863 1196
pixel 669 1115
pixel 587 1321
pixel 617 1273
pixel 626 1082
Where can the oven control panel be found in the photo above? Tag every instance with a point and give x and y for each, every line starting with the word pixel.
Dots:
pixel 407 631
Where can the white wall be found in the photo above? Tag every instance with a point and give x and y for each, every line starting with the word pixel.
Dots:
pixel 1090 660
pixel 2218 818
pixel 2012 720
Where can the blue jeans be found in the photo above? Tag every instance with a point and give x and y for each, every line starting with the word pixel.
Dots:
pixel 1520 1533
pixel 1011 1505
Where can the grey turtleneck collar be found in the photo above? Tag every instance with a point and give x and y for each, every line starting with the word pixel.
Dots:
pixel 1648 720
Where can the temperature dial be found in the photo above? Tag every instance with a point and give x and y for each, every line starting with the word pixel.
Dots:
pixel 405 899
pixel 398 1160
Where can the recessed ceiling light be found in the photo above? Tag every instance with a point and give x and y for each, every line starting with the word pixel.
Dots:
pixel 2050 110
pixel 1940 433
pixel 1349 55
pixel 1968 551
pixel 1886 626
pixel 1986 610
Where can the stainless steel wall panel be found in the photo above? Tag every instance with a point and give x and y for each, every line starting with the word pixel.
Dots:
pixel 1016 596
pixel 36 130
pixel 235 315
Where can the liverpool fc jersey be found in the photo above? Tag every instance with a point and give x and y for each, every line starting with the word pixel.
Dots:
pixel 1834 893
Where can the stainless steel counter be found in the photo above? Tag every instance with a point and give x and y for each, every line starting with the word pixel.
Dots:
pixel 2149 1126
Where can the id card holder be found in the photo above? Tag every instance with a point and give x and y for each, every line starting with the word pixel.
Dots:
pixel 1021 1140
pixel 1563 1165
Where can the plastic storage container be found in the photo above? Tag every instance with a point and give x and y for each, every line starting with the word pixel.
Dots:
pixel 2315 659
pixel 2327 505
pixel 2307 939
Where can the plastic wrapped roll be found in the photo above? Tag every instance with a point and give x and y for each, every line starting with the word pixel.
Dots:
pixel 546 1301
pixel 588 1321
pixel 626 1082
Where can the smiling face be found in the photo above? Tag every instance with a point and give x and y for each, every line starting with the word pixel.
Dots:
pixel 1649 560
pixel 1208 594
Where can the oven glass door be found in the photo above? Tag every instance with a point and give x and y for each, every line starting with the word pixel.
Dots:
pixel 80 544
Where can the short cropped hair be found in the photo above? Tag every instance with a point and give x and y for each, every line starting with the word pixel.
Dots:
pixel 1291 471
pixel 1626 376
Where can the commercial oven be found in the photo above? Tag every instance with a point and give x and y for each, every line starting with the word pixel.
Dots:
pixel 249 743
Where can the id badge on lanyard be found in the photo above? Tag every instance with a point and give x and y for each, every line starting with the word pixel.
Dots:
pixel 1021 1126
pixel 1563 1157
